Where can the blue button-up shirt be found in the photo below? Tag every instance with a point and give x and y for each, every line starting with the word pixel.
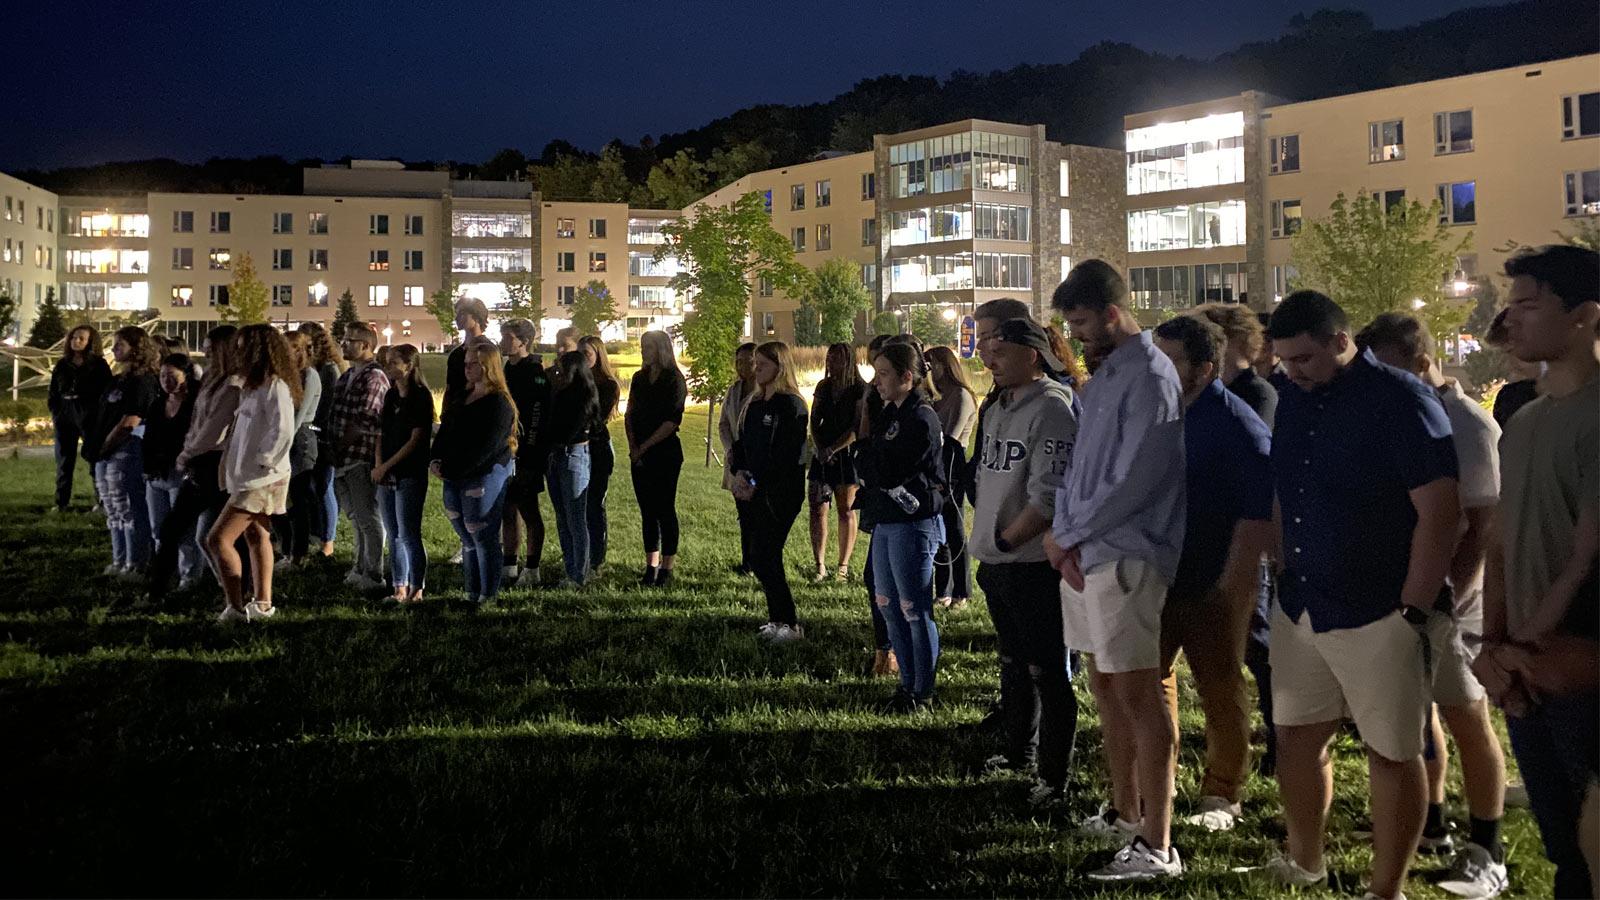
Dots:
pixel 1345 458
pixel 1228 453
pixel 1123 497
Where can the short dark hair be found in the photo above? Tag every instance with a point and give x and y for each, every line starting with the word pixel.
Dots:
pixel 746 347
pixel 1571 273
pixel 1399 332
pixel 1307 312
pixel 1202 339
pixel 475 308
pixel 1003 309
pixel 1092 284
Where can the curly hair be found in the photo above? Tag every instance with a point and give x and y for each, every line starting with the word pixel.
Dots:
pixel 264 354
pixel 324 349
pixel 1238 322
pixel 145 352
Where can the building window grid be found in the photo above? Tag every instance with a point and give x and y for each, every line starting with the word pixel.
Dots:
pixel 869 185
pixel 283 295
pixel 1198 225
pixel 183 258
pixel 1580 115
pixel 824 193
pixel 378 224
pixel 221 222
pixel 282 223
pixel 377 261
pixel 317 223
pixel 597 228
pixel 1452 132
pixel 824 237
pixel 413 295
pixel 1458 203
pixel 869 232
pixel 1581 193
pixel 377 295
pixel 317 260
pixel 282 259
pixel 597 262
pixel 1386 141
pixel 1179 287
pixel 566 262
pixel 220 259
pixel 798 235
pixel 566 294
pixel 1285 154
pixel 317 294
pixel 413 260
pixel 183 295
pixel 183 221
pixel 797 196
pixel 1286 218
pixel 413 225
pixel 566 228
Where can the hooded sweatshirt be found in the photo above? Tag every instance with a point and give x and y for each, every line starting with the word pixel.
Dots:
pixel 1027 433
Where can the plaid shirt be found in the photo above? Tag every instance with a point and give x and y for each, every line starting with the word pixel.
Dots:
pixel 358 404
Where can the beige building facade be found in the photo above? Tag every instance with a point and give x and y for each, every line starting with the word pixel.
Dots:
pixel 28 246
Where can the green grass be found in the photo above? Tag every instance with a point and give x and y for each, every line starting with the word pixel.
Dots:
pixel 607 742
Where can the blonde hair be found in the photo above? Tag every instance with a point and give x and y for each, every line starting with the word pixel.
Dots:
pixel 656 348
pixel 494 375
pixel 777 352
pixel 1238 323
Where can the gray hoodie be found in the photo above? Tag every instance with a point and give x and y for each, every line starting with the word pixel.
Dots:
pixel 1027 444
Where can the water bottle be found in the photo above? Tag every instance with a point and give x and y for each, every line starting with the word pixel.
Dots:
pixel 904 498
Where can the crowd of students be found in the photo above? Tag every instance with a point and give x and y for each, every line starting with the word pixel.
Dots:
pixel 1322 508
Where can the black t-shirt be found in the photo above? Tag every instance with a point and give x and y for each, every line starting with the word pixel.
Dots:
pixel 652 404
pixel 529 385
pixel 835 413
pixel 570 417
pixel 1257 393
pixel 127 395
pixel 402 415
pixel 163 436
pixel 1513 395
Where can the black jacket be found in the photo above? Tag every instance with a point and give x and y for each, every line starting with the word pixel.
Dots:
pixel 75 390
pixel 904 450
pixel 474 437
pixel 772 439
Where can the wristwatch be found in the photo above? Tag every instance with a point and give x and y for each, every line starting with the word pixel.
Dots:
pixel 1415 616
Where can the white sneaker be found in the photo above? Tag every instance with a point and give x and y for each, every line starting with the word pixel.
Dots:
pixel 352 578
pixel 766 631
pixel 113 570
pixel 1138 862
pixel 1216 814
pixel 455 560
pixel 1107 824
pixel 185 585
pixel 232 614
pixel 1042 795
pixel 1474 873
pixel 1283 871
pixel 285 564
pixel 130 575
pixel 787 634
pixel 254 611
pixel 528 579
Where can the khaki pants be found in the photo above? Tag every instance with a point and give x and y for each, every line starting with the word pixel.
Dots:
pixel 1212 637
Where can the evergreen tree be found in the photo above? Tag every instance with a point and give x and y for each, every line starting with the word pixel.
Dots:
pixel 248 302
pixel 8 315
pixel 344 315
pixel 49 326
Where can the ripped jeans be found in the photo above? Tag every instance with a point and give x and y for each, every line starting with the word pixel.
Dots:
pixel 902 577
pixel 475 507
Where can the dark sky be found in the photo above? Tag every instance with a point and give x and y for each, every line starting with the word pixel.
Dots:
pixel 432 79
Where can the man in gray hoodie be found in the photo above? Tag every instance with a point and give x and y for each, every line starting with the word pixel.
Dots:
pixel 1028 430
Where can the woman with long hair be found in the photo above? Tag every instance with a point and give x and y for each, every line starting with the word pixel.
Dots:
pixel 305 503
pixel 834 416
pixel 400 470
pixel 114 444
pixel 770 480
pixel 957 408
pixel 328 360
pixel 473 454
pixel 733 403
pixel 884 663
pixel 602 456
pixel 902 494
pixel 165 426
pixel 574 407
pixel 76 383
pixel 655 413
pixel 530 391
pixel 255 469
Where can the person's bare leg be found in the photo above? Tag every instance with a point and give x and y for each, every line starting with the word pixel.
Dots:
pixel 1438 768
pixel 667 562
pixel 1399 804
pixel 1483 760
pixel 1121 747
pixel 652 558
pixel 1305 780
pixel 220 542
pixel 1145 708
pixel 259 540
pixel 511 533
pixel 844 499
pixel 819 533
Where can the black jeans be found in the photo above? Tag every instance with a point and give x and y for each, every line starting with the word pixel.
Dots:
pixel 67 436
pixel 770 516
pixel 952 565
pixel 655 483
pixel 198 496
pixel 1040 710
pixel 305 513
pixel 602 462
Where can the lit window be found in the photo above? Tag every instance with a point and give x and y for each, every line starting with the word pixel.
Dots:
pixel 1066 226
pixel 378 224
pixel 1187 154
pixel 1458 203
pixel 1066 266
pixel 824 194
pixel 597 228
pixel 797 196
pixel 221 222
pixel 413 225
pixel 1285 154
pixel 566 262
pixel 1580 115
pixel 283 259
pixel 183 295
pixel 566 228
pixel 413 295
pixel 1286 218
pixel 318 260
pixel 377 295
pixel 377 261
pixel 1583 193
pixel 646 265
pixel 597 262
pixel 183 258
pixel 769 323
pixel 824 237
pixel 1452 131
pixel 869 185
pixel 182 221
pixel 1386 141
pixel 221 259
pixel 1213 224
pixel 317 223
pixel 283 223
pixel 799 237
pixel 283 295
pixel 647 231
pixel 651 296
pixel 413 260
pixel 317 295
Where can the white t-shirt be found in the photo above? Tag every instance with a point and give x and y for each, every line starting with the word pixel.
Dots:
pixel 1477 440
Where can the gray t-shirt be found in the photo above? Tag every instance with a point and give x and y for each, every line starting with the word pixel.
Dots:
pixel 1549 458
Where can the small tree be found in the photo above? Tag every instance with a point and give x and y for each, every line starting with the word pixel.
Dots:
pixel 522 299
pixel 928 323
pixel 1373 262
pixel 885 322
pixel 248 302
pixel 593 306
pixel 344 315
pixel 808 324
pixel 442 306
pixel 48 325
pixel 835 291
pixel 8 315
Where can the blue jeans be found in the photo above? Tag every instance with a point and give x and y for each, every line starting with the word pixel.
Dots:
pixel 322 483
pixel 1556 748
pixel 902 576
pixel 120 481
pixel 475 508
pixel 159 496
pixel 400 504
pixel 568 480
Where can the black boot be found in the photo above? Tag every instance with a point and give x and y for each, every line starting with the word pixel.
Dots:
pixel 663 577
pixel 651 573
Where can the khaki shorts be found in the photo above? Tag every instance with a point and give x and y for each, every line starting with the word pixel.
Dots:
pixel 1372 675
pixel 1117 615
pixel 270 500
pixel 1453 681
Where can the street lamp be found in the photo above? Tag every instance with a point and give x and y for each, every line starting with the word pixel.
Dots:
pixel 388 334
pixel 949 314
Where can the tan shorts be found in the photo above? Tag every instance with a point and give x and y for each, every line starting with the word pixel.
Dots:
pixel 1453 681
pixel 271 500
pixel 1117 615
pixel 1372 675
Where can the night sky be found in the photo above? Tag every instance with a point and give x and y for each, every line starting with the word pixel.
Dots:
pixel 93 82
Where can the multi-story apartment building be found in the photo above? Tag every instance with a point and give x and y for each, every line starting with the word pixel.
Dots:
pixel 28 244
pixel 1216 189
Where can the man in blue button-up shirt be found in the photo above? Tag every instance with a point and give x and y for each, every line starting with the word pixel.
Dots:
pixel 1365 473
pixel 1116 539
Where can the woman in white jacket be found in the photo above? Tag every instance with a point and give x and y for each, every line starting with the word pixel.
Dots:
pixel 255 469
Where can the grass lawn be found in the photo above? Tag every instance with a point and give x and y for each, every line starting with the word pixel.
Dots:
pixel 614 741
